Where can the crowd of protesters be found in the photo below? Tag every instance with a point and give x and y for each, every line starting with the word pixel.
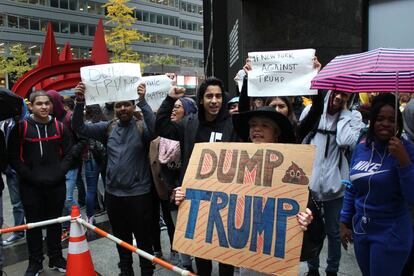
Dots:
pixel 361 186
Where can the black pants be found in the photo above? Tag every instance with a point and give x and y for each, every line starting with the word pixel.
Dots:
pixel 42 204
pixel 166 215
pixel 131 215
pixel 204 268
pixel 155 222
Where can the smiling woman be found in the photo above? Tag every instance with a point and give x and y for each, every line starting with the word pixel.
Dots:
pixel 382 174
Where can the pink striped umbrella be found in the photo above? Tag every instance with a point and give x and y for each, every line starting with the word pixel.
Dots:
pixel 379 70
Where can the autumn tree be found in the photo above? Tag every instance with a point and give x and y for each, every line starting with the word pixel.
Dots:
pixel 121 35
pixel 16 64
pixel 162 60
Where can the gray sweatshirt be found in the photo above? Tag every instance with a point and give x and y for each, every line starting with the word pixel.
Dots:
pixel 127 171
pixel 327 173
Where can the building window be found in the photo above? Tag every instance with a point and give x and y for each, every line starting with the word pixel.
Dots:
pixel 74 28
pixel 91 30
pixel 81 5
pixel 55 26
pixel 34 24
pixel 12 21
pixel 43 25
pixel 159 19
pixel 64 4
pixel 82 29
pixel 54 3
pixel 138 15
pixel 1 20
pixel 23 23
pixel 64 26
pixel 73 5
pixel 145 16
pixel 153 18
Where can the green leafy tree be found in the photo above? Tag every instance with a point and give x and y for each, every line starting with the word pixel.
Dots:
pixel 162 60
pixel 121 36
pixel 16 64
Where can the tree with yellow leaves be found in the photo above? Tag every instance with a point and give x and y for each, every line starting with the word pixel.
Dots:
pixel 16 64
pixel 121 35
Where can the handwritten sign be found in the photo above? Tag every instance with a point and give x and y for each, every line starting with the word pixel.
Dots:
pixel 111 82
pixel 281 73
pixel 241 205
pixel 157 89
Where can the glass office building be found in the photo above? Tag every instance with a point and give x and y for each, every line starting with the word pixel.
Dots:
pixel 174 28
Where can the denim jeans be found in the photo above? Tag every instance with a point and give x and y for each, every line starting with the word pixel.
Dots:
pixel 331 210
pixel 13 183
pixel 91 170
pixel 71 176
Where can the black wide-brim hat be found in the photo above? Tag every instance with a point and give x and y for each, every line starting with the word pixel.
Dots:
pixel 242 128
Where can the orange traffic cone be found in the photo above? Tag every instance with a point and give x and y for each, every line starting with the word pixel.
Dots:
pixel 79 257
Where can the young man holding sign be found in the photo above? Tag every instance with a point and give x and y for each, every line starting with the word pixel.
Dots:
pixel 128 179
pixel 212 123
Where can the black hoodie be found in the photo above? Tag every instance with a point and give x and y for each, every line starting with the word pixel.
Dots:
pixel 40 162
pixel 194 128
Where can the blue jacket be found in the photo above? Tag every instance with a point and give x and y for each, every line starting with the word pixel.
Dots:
pixel 380 188
pixel 127 170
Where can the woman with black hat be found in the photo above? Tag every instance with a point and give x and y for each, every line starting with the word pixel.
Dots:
pixel 264 125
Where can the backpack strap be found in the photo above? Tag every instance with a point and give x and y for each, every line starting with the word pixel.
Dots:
pixel 23 126
pixel 22 134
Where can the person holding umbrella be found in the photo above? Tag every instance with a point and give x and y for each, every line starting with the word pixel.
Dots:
pixel 375 213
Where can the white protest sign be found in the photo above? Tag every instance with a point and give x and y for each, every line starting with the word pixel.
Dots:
pixel 111 82
pixel 281 73
pixel 157 89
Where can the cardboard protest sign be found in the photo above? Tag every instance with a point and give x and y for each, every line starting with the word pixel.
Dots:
pixel 111 82
pixel 241 205
pixel 157 89
pixel 281 73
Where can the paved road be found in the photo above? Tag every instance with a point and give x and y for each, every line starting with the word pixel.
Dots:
pixel 105 257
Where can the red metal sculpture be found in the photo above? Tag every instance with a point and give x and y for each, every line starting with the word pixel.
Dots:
pixel 54 72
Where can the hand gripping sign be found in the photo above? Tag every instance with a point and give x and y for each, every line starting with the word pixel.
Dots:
pixel 281 73
pixel 111 82
pixel 241 205
pixel 157 89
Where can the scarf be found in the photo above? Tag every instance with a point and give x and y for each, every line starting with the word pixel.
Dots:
pixel 169 151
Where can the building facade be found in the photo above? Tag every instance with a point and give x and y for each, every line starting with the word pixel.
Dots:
pixel 174 29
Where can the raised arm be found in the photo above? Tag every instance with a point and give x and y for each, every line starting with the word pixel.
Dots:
pixel 149 117
pixel 348 128
pixel 96 131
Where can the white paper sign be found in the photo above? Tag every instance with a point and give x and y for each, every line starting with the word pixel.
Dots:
pixel 281 73
pixel 111 82
pixel 157 89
